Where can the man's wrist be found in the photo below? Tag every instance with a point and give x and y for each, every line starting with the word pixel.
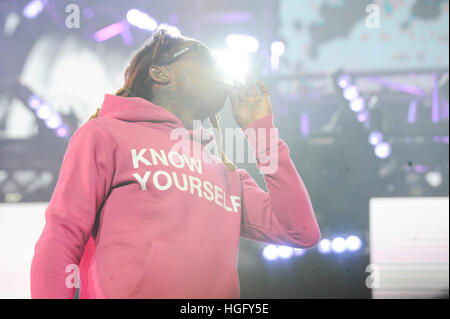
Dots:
pixel 262 135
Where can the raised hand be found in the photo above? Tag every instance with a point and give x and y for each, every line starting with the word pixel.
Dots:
pixel 250 101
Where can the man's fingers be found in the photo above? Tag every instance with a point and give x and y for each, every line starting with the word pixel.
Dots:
pixel 263 88
pixel 241 90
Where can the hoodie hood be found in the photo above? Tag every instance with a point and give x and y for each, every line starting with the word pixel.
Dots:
pixel 137 109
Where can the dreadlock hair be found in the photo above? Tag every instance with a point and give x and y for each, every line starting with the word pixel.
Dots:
pixel 139 84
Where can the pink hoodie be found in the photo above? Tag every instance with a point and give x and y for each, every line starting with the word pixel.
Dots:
pixel 143 221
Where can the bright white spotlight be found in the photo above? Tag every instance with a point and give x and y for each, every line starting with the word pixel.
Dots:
pixel 33 8
pixel 53 121
pixel 434 178
pixel 353 243
pixel 338 245
pixel 270 252
pixel 324 246
pixel 234 63
pixel 375 137
pixel 43 111
pixel 172 30
pixel 357 104
pixel 242 42
pixel 351 92
pixel 285 252
pixel 278 48
pixel 383 150
pixel 141 20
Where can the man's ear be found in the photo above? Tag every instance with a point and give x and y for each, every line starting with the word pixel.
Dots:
pixel 158 74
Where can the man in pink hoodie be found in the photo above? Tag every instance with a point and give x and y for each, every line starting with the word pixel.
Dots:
pixel 137 218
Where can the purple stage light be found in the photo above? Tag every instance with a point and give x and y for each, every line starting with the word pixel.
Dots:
pixel 34 101
pixel 304 124
pixel 412 111
pixel 109 32
pixel 88 13
pixel 435 99
pixel 362 116
pixel 62 131
pixel 357 104
pixel 397 86
pixel 126 35
pixel 383 150
pixel 375 137
pixel 419 168
pixel 33 8
pixel 141 20
pixel 351 92
pixel 344 81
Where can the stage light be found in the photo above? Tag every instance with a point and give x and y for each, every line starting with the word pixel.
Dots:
pixel 375 137
pixel 344 81
pixel 299 251
pixel 351 92
pixel 338 245
pixel 353 243
pixel 62 131
pixel 245 43
pixel 34 101
pixel 33 8
pixel 108 32
pixel 383 150
pixel 11 22
pixel 53 121
pixel 270 252
pixel 278 48
pixel 324 246
pixel 285 252
pixel 43 111
pixel 357 104
pixel 234 63
pixel 88 13
pixel 141 20
pixel 362 116
pixel 434 178
pixel 412 111
pixel 173 31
